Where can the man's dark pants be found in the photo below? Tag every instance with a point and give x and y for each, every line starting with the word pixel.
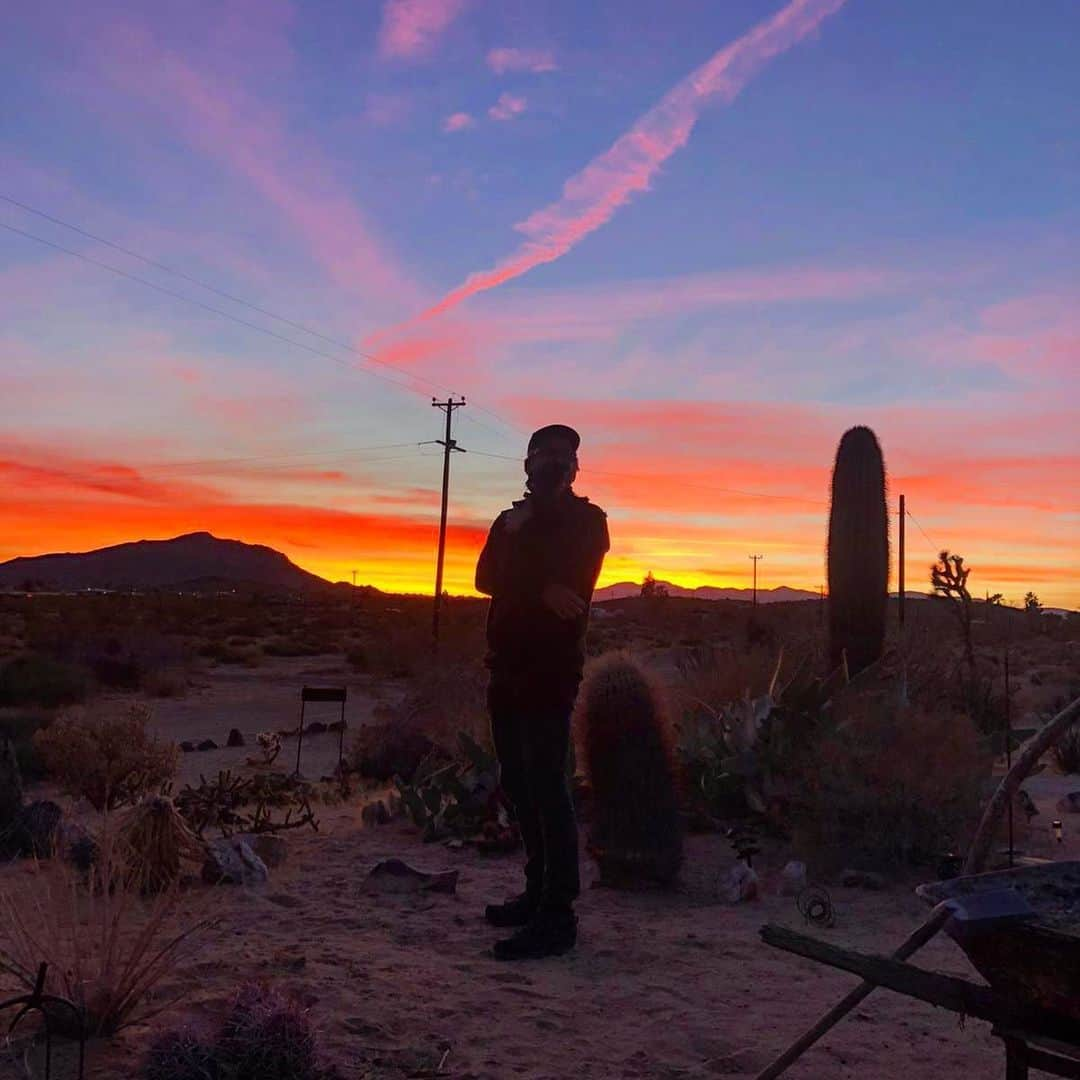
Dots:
pixel 530 726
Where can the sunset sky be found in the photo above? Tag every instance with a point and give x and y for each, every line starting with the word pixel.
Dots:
pixel 711 235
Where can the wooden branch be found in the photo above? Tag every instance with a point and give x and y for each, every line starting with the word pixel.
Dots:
pixel 1050 734
pixel 915 941
pixel 944 991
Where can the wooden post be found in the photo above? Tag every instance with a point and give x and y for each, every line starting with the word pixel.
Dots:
pixel 900 566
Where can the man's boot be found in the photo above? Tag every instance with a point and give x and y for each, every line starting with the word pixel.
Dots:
pixel 516 912
pixel 551 932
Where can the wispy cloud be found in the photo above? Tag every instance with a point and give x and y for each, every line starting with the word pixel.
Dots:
pixel 507 107
pixel 227 122
pixel 411 28
pixel 592 197
pixel 459 121
pixel 535 60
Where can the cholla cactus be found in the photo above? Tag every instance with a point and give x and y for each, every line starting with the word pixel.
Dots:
pixel 624 726
pixel 270 744
pixel 858 552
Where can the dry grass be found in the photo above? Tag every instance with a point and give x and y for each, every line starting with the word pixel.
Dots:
pixel 107 948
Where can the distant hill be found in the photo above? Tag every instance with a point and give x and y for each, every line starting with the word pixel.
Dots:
pixel 195 560
pixel 625 589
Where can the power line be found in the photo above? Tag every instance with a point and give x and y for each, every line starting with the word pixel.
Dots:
pixel 183 275
pixel 205 307
pixel 923 531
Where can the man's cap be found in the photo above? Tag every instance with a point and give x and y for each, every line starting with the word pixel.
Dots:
pixel 552 432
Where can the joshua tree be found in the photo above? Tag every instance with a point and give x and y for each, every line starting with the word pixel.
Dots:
pixel 858 552
pixel 1032 603
pixel 651 589
pixel 949 578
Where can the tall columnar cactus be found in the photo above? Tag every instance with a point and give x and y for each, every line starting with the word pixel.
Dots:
pixel 858 552
pixel 625 731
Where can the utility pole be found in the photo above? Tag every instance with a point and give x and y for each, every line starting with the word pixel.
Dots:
pixel 354 579
pixel 900 566
pixel 449 446
pixel 755 558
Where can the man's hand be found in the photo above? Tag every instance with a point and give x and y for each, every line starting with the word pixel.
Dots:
pixel 563 601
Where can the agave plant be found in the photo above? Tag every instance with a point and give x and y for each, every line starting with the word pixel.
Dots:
pixel 762 738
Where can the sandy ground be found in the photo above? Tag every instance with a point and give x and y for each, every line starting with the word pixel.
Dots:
pixel 661 985
pixel 672 986
pixel 266 698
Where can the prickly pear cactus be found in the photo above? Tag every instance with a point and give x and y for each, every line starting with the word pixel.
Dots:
pixel 858 552
pixel 625 731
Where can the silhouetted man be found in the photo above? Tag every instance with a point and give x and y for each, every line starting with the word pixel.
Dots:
pixel 539 566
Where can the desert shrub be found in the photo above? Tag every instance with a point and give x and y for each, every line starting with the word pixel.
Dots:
pixel 1067 752
pixel 109 758
pixel 265 1035
pixel 295 646
pixel 107 949
pixel 445 699
pixel 20 728
pixel 890 785
pixel 35 679
pixel 625 730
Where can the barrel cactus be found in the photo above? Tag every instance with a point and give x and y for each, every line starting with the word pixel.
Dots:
pixel 858 552
pixel 625 731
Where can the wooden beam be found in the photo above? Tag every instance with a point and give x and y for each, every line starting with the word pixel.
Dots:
pixel 945 991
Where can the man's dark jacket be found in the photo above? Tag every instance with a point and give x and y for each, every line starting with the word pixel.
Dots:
pixel 560 544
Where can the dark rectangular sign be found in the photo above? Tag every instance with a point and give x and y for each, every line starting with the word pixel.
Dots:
pixel 323 693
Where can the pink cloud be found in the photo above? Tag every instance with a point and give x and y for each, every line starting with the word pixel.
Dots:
pixel 410 28
pixel 219 117
pixel 535 60
pixel 592 197
pixel 507 107
pixel 458 121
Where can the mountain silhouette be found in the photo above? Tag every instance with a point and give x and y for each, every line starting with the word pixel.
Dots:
pixel 624 589
pixel 194 560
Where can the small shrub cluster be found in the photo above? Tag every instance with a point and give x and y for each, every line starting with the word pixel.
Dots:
pixel 20 728
pixel 265 1035
pixel 110 758
pixel 891 785
pixel 37 679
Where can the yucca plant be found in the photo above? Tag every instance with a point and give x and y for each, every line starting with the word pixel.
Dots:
pixel 107 948
pixel 858 554
pixel 625 730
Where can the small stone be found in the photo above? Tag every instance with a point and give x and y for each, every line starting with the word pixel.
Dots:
pixel 271 849
pixel 1070 803
pixel 187 746
pixel 337 725
pixel 230 861
pixel 740 883
pixel 393 876
pixel 793 878
pixel 207 744
pixel 317 728
pixel 286 900
pixel 862 879
pixel 236 738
